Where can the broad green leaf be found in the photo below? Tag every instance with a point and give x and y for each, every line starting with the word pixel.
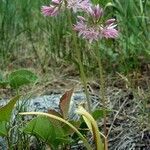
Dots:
pixel 40 127
pixel 43 128
pixel 21 77
pixel 3 130
pixel 65 103
pixel 5 111
pixel 69 131
pixel 61 120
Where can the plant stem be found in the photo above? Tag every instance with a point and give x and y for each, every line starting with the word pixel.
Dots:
pixel 81 68
pixel 102 90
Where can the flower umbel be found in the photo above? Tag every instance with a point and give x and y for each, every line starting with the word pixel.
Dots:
pixel 89 33
pixel 93 31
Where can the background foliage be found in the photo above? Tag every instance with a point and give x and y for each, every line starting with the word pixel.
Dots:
pixel 26 35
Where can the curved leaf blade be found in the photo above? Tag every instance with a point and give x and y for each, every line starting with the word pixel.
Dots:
pixel 5 111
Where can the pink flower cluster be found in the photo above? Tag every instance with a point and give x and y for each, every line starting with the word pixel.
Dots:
pixel 95 30
pixel 87 29
pixel 89 33
pixel 75 5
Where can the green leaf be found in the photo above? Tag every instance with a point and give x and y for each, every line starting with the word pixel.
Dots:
pixel 87 145
pixel 99 113
pixel 3 130
pixel 41 127
pixel 5 111
pixel 44 129
pixel 69 131
pixel 65 103
pixel 21 77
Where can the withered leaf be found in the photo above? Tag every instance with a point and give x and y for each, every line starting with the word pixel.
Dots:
pixel 65 103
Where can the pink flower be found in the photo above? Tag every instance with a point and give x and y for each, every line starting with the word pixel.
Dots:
pixel 109 31
pixel 78 5
pixel 80 27
pixel 94 32
pixel 49 10
pixel 96 12
pixel 90 33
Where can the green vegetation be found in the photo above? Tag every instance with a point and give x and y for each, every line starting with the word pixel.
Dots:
pixel 48 46
pixel 26 33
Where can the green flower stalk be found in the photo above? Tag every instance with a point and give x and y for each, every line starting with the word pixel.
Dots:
pixel 92 125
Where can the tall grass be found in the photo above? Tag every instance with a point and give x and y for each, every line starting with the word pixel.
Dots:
pixel 133 19
pixel 24 32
